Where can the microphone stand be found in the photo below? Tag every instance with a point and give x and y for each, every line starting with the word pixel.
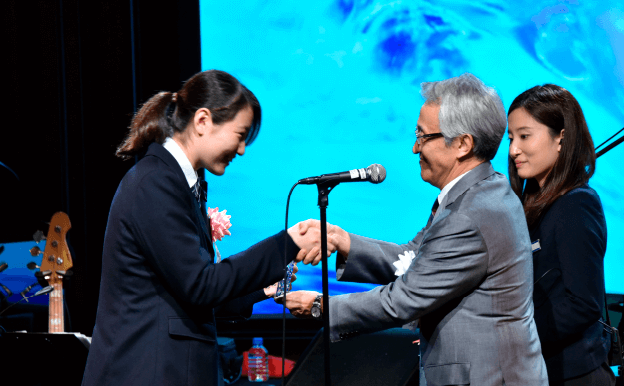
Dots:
pixel 323 196
pixel 42 291
pixel 611 146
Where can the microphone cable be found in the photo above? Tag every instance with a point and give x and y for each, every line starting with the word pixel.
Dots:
pixel 286 262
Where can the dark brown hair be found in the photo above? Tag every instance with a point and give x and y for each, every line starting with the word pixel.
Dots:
pixel 556 108
pixel 166 112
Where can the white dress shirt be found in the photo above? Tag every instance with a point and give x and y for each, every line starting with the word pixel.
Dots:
pixel 177 153
pixel 447 188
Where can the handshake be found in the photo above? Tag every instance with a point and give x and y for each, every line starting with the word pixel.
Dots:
pixel 307 236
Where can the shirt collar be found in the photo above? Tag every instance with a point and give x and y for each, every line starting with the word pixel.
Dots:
pixel 448 187
pixel 177 153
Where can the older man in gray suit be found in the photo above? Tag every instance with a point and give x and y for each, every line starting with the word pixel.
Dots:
pixel 470 282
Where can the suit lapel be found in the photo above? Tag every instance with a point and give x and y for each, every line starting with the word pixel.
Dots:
pixel 205 237
pixel 206 228
pixel 476 175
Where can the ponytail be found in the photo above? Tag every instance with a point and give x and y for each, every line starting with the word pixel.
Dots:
pixel 215 90
pixel 150 124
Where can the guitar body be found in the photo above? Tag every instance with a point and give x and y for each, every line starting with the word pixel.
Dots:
pixel 54 265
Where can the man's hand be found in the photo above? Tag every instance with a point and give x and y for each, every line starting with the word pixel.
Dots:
pixel 299 303
pixel 270 290
pixel 335 235
pixel 308 239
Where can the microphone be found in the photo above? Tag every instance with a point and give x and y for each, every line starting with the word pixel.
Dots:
pixel 374 173
pixel 44 290
pixel 40 292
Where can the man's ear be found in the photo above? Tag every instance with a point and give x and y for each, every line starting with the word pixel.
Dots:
pixel 465 146
pixel 202 121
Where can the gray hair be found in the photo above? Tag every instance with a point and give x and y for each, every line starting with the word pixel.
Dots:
pixel 467 106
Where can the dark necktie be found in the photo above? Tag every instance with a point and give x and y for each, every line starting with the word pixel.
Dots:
pixel 199 190
pixel 434 209
pixel 435 206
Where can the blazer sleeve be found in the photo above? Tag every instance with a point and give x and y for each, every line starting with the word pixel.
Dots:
pixel 371 261
pixel 580 238
pixel 241 307
pixel 163 223
pixel 451 261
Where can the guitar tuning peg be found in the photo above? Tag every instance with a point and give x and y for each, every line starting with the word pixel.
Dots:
pixel 32 265
pixel 38 236
pixel 35 251
pixel 8 291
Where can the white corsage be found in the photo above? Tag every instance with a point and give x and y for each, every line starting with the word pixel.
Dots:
pixel 404 262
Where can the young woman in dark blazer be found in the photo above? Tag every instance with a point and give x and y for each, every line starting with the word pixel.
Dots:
pixel 160 286
pixel 551 159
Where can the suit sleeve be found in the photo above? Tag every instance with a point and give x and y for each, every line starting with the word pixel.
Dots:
pixel 371 261
pixel 452 260
pixel 580 237
pixel 168 235
pixel 241 307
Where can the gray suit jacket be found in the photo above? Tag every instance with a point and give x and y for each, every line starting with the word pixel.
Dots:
pixel 470 284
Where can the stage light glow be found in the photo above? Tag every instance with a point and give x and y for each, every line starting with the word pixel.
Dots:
pixel 338 81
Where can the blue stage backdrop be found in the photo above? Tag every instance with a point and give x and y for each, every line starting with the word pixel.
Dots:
pixel 338 81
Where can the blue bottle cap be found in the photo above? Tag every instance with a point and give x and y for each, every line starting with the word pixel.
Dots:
pixel 257 341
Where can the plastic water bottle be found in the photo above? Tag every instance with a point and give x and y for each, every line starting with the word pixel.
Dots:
pixel 258 369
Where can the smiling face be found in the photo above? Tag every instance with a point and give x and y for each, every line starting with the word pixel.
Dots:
pixel 221 143
pixel 436 159
pixel 532 146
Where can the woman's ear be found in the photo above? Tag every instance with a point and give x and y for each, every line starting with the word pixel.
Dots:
pixel 560 139
pixel 202 121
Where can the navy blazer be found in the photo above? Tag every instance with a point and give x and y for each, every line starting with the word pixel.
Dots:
pixel 569 284
pixel 155 320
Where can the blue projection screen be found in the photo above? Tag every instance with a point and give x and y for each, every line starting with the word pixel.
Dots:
pixel 339 84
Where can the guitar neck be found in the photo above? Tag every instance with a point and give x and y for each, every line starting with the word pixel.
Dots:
pixel 56 322
pixel 55 263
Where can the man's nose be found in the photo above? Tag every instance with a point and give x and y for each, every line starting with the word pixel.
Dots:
pixel 416 148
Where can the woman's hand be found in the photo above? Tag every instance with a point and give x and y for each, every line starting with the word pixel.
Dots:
pixel 270 290
pixel 307 235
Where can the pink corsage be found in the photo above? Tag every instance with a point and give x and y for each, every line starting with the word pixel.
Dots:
pixel 220 223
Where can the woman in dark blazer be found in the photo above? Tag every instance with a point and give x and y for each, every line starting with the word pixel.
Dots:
pixel 551 159
pixel 160 286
